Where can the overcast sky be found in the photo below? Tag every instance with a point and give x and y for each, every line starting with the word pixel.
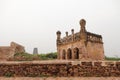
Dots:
pixel 33 23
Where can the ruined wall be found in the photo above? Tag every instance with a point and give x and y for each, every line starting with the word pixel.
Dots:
pixel 17 47
pixel 7 52
pixel 60 78
pixel 60 69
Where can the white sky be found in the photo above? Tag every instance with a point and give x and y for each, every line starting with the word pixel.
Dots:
pixel 33 23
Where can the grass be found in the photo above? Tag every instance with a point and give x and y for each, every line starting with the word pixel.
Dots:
pixel 31 57
pixel 112 58
pixel 48 56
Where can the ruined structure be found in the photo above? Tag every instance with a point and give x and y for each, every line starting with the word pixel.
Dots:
pixel 7 52
pixel 35 51
pixel 82 45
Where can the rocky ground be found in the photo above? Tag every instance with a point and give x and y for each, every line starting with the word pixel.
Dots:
pixel 61 78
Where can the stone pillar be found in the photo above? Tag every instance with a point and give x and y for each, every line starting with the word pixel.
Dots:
pixel 58 37
pixel 58 42
pixel 66 57
pixel 80 53
pixel 61 55
pixel 66 34
pixel 73 54
pixel 58 53
pixel 66 37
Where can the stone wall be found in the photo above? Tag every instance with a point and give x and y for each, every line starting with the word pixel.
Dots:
pixel 60 69
pixel 7 52
pixel 60 78
pixel 95 51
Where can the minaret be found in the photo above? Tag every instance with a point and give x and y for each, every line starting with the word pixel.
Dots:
pixel 82 24
pixel 83 37
pixel 58 37
pixel 83 31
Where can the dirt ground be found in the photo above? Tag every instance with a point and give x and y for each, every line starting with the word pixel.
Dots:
pixel 61 78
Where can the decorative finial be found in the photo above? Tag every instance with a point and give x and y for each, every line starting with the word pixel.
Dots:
pixel 66 33
pixel 72 30
pixel 58 32
pixel 82 22
pixel 58 35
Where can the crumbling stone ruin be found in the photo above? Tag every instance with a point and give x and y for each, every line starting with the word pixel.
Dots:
pixel 7 52
pixel 82 45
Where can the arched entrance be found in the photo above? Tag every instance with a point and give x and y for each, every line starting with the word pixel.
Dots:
pixel 69 53
pixel 76 53
pixel 63 54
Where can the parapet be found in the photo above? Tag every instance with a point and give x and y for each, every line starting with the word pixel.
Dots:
pixel 73 37
pixel 7 52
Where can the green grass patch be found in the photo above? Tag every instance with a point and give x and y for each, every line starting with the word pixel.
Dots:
pixel 112 58
pixel 31 57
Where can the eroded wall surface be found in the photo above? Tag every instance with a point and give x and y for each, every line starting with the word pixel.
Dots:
pixel 60 69
pixel 7 52
pixel 60 78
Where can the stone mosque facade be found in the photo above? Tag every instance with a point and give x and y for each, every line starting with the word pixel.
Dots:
pixel 82 45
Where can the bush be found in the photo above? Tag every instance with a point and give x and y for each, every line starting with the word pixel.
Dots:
pixel 51 55
pixel 48 56
pixel 30 57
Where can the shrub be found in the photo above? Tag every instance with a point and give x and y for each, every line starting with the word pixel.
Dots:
pixel 112 58
pixel 30 57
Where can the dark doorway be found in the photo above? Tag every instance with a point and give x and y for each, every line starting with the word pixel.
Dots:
pixel 63 54
pixel 69 53
pixel 76 53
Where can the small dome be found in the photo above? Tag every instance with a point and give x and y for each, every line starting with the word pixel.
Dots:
pixel 72 30
pixel 66 32
pixel 58 32
pixel 82 22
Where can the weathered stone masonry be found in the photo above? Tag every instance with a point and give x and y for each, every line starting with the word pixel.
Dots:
pixel 80 45
pixel 7 52
pixel 60 69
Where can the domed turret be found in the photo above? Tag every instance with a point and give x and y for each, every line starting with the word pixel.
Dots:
pixel 82 24
pixel 58 32
pixel 58 35
pixel 83 31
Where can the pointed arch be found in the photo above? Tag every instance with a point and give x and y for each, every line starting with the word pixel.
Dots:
pixel 69 53
pixel 76 53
